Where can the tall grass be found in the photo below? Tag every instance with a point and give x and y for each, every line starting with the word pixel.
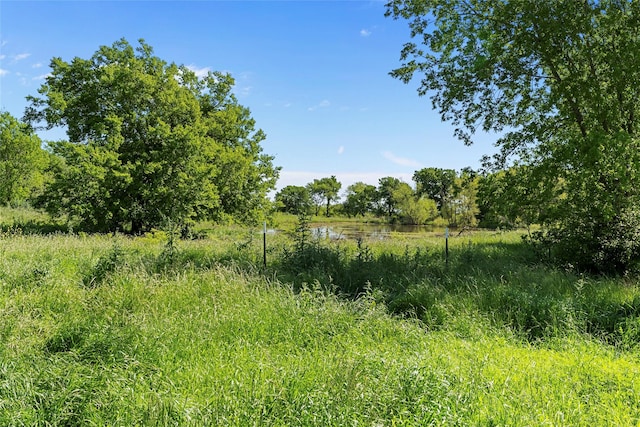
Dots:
pixel 106 330
pixel 492 275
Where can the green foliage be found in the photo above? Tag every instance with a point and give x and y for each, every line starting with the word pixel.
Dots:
pixel 293 199
pixel 560 81
pixel 455 194
pixel 418 211
pixel 386 188
pixel 413 210
pixel 324 189
pixel 148 141
pixel 464 206
pixel 22 161
pixel 436 184
pixel 106 265
pixel 360 199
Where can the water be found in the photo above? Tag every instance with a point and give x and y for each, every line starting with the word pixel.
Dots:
pixel 369 231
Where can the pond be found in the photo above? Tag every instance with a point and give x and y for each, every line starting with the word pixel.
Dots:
pixel 369 231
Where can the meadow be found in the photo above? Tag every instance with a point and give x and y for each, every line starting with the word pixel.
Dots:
pixel 110 330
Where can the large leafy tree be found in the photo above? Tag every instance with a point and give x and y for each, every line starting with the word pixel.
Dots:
pixel 22 160
pixel 560 81
pixel 149 141
pixel 436 184
pixel 515 197
pixel 413 209
pixel 464 206
pixel 294 199
pixel 387 186
pixel 360 199
pixel 325 189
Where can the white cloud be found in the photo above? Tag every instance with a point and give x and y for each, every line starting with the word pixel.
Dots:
pixel 41 76
pixel 21 56
pixel 245 75
pixel 199 72
pixel 341 149
pixel 323 104
pixel 37 65
pixel 365 33
pixel 244 91
pixel 2 57
pixel 287 105
pixel 402 161
pixel 3 72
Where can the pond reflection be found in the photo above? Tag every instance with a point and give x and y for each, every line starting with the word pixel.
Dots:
pixel 369 231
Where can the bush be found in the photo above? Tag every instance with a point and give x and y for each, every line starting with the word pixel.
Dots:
pixel 596 246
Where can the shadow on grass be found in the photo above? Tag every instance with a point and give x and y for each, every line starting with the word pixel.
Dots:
pixel 31 227
pixel 503 282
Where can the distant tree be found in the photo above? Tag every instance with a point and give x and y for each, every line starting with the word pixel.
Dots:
pixel 436 184
pixel 412 209
pixel 148 142
pixel 293 199
pixel 418 211
pixel 317 197
pixel 465 200
pixel 327 189
pixel 22 160
pixel 360 199
pixel 517 197
pixel 386 188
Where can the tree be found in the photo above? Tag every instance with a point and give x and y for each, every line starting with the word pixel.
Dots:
pixel 293 199
pixel 22 160
pixel 386 188
pixel 148 142
pixel 439 185
pixel 418 211
pixel 360 198
pixel 465 201
pixel 560 81
pixel 413 209
pixel 516 197
pixel 325 189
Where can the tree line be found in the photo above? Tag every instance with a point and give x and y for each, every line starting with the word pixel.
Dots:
pixel 440 196
pixel 504 199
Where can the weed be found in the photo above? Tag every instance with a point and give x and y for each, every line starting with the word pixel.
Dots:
pixel 106 266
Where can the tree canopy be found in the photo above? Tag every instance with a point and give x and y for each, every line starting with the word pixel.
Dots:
pixel 436 184
pixel 293 199
pixel 325 189
pixel 149 141
pixel 360 199
pixel 560 82
pixel 22 160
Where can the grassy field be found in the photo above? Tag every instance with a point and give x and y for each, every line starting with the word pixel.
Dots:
pixel 111 330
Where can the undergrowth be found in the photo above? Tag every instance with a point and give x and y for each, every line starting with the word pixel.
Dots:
pixel 112 330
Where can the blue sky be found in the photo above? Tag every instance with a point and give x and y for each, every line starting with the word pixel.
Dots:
pixel 313 73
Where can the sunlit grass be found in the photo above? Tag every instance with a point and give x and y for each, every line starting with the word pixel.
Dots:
pixel 108 330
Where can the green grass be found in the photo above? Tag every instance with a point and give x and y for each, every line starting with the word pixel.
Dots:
pixel 103 330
